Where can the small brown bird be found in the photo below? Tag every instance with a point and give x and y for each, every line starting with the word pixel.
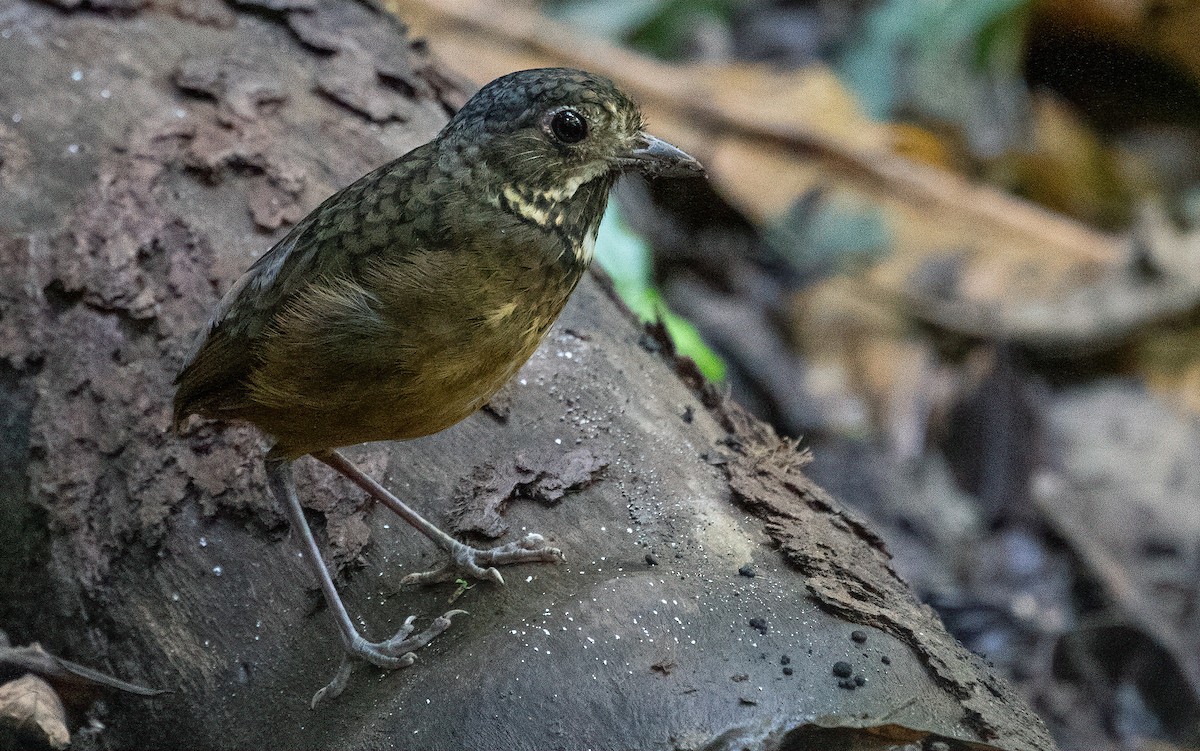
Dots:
pixel 407 299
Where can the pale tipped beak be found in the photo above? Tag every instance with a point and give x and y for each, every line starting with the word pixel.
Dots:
pixel 657 158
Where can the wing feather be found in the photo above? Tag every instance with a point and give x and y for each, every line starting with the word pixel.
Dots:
pixel 325 245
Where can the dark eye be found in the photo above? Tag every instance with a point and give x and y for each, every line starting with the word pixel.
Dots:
pixel 569 126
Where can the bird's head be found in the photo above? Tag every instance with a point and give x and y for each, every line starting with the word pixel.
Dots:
pixel 553 130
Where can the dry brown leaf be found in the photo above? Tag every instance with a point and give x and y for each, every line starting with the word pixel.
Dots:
pixel 1068 168
pixel 769 138
pixel 30 704
pixel 1168 354
pixel 788 123
pixel 922 145
pixel 1171 362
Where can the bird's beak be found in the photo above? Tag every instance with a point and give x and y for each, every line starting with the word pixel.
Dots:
pixel 654 157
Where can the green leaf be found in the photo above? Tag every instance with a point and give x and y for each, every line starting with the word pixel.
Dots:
pixel 957 61
pixel 626 257
pixel 657 27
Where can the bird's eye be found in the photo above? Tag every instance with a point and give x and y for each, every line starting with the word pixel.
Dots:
pixel 569 126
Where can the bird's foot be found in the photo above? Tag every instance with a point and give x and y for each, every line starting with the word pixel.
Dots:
pixel 466 561
pixel 396 652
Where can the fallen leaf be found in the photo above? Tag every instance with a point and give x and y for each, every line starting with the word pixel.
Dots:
pixel 30 705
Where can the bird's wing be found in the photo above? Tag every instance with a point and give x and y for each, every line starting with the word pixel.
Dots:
pixel 220 357
pixel 323 245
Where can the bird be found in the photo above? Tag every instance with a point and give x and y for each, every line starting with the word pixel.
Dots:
pixel 406 299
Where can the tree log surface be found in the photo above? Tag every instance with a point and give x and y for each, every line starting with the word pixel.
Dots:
pixel 147 155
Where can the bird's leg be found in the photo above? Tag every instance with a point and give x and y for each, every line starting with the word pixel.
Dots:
pixel 396 652
pixel 464 559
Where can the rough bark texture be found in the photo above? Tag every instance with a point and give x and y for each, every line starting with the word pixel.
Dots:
pixel 146 156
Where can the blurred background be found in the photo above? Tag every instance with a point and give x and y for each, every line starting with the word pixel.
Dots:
pixel 954 245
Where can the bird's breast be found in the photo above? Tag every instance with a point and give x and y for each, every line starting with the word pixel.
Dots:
pixel 413 345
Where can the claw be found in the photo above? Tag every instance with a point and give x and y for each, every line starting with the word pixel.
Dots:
pixel 396 644
pixel 439 574
pixel 336 686
pixel 468 562
pixel 396 652
pixel 405 630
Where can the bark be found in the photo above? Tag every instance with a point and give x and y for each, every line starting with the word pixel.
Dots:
pixel 147 154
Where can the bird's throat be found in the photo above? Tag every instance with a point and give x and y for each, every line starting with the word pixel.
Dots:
pixel 571 211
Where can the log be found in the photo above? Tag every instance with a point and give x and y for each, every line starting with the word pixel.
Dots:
pixel 147 154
